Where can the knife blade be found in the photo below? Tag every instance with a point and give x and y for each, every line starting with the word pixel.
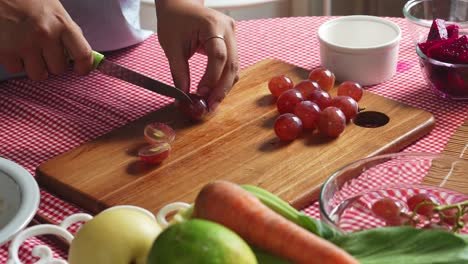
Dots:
pixel 118 71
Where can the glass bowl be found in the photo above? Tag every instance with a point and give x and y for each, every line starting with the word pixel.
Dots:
pixel 419 15
pixel 447 80
pixel 348 198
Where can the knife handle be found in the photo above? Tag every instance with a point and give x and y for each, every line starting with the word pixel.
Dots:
pixel 97 58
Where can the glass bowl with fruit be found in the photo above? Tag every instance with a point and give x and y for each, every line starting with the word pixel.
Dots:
pixel 440 29
pixel 420 14
pixel 404 189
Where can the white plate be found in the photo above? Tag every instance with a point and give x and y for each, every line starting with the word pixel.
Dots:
pixel 19 199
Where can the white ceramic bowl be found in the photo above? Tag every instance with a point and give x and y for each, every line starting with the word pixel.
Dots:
pixel 363 49
pixel 19 199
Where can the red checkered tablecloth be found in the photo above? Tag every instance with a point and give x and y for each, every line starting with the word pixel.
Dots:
pixel 40 120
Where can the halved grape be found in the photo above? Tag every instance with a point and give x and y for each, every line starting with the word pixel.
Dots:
pixel 158 132
pixel 308 112
pixel 288 101
pixel 351 89
pixel 324 77
pixel 332 122
pixel 347 104
pixel 279 84
pixel 306 87
pixel 288 126
pixel 196 110
pixel 155 153
pixel 321 98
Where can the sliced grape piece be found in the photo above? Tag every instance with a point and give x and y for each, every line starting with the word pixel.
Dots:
pixel 158 132
pixel 155 153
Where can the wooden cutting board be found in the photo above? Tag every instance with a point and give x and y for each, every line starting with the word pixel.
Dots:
pixel 237 144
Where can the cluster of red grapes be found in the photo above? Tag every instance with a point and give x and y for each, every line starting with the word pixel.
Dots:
pixel 421 210
pixel 308 105
pixel 159 137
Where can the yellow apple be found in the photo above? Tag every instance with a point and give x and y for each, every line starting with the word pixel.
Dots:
pixel 117 236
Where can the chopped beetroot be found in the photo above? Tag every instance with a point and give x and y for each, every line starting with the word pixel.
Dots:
pixel 450 50
pixel 452 31
pixel 438 30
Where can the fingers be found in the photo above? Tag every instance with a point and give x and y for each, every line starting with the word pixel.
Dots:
pixel 79 49
pixel 35 66
pixel 228 77
pixel 216 51
pixel 222 68
pixel 13 64
pixel 55 58
pixel 179 69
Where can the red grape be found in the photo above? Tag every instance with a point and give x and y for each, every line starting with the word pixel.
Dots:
pixel 449 216
pixel 308 112
pixel 387 209
pixel 321 98
pixel 347 104
pixel 155 153
pixel 158 132
pixel 196 110
pixel 332 121
pixel 279 84
pixel 288 126
pixel 288 101
pixel 417 199
pixel 306 87
pixel 351 89
pixel 324 77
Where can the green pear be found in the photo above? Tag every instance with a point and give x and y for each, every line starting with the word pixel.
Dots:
pixel 116 236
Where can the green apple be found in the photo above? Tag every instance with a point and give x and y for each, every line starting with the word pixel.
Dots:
pixel 120 235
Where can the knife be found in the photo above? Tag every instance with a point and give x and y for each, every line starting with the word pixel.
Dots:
pixel 118 71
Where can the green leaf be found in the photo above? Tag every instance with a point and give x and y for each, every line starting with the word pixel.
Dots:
pixel 287 211
pixel 389 245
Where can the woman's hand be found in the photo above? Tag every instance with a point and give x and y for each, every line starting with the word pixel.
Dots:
pixel 186 26
pixel 34 36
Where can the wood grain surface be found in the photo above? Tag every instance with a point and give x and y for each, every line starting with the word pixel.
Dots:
pixel 236 144
pixel 453 177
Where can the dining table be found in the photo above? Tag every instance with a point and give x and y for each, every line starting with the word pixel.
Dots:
pixel 41 120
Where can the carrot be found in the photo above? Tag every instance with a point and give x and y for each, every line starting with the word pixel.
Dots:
pixel 237 209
